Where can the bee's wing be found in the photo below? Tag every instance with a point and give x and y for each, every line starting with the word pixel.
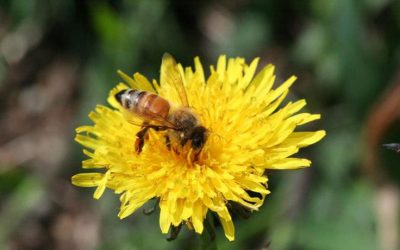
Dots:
pixel 170 75
pixel 155 121
pixel 132 118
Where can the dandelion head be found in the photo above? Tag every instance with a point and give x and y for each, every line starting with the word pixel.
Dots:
pixel 241 128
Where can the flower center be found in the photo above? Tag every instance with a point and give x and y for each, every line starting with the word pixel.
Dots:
pixel 169 147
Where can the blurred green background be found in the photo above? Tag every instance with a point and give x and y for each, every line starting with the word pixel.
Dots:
pixel 58 59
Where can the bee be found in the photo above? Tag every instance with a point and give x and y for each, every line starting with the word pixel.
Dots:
pixel 181 123
pixel 393 146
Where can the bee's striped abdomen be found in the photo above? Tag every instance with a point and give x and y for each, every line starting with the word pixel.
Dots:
pixel 143 103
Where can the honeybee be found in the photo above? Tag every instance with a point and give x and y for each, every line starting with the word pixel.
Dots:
pixel 182 124
pixel 393 146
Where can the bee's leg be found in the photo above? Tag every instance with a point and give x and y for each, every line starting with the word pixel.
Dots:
pixel 168 142
pixel 196 156
pixel 142 135
pixel 140 138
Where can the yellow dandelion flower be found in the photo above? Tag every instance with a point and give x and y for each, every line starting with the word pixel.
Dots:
pixel 249 131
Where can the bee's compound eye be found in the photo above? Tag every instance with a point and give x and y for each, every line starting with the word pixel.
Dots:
pixel 199 137
pixel 119 95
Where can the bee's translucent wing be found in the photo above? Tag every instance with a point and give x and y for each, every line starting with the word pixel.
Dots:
pixel 170 75
pixel 155 121
pixel 132 118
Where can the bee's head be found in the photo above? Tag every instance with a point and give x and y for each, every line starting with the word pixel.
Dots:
pixel 198 137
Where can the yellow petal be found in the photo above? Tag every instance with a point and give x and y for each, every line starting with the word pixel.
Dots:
pixel 303 139
pixel 197 217
pixel 229 228
pixel 221 65
pixel 143 84
pixel 199 69
pixel 290 163
pixel 248 74
pixel 281 89
pixel 87 179
pixel 304 118
pixel 165 221
pixel 263 81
